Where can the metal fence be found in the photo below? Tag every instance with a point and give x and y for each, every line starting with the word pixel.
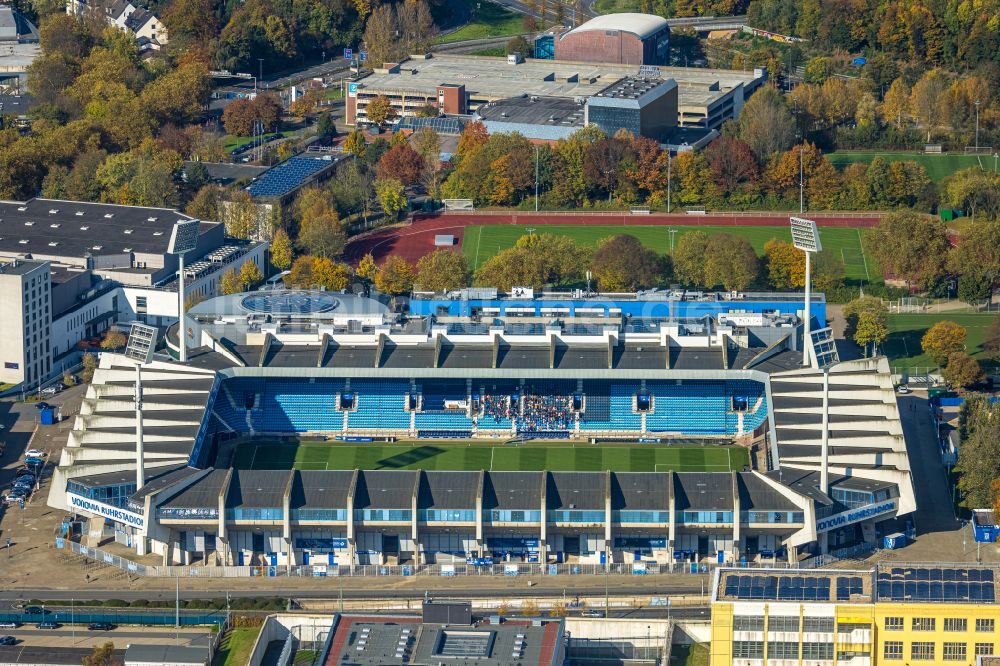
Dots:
pixel 89 615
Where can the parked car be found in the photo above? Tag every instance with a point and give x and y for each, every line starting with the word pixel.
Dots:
pixel 9 625
pixel 47 624
pixel 52 390
pixel 24 470
pixel 35 453
pixel 36 610
pixel 23 486
pixel 8 640
pixel 903 389
pixel 42 405
pixel 31 460
pixel 592 613
pixel 100 626
pixel 15 496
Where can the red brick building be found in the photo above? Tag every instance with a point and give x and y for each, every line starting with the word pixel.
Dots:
pixel 626 39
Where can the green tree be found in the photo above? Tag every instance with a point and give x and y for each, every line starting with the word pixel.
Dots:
pixel 391 196
pixel 367 268
pixel 559 260
pixel 868 306
pixel 229 283
pixel 975 288
pixel 89 368
pixel 909 246
pixel 395 276
pixel 689 258
pixel 979 456
pixel 205 203
pixel 281 250
pixel 766 124
pixel 870 329
pixel 442 271
pixel 962 370
pixel 355 143
pixel 622 263
pixel 942 339
pixel 114 339
pixel 330 275
pixel 322 236
pixel 380 110
pixel 250 274
pixel 520 46
pixel 786 265
pixel 103 655
pixel 240 215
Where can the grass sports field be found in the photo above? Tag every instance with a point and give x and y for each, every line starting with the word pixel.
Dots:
pixel 448 455
pixel 482 242
pixel 937 166
pixel 903 344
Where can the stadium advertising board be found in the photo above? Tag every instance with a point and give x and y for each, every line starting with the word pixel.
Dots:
pixel 113 513
pixel 855 515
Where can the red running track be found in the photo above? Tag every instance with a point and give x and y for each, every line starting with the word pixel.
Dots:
pixel 413 241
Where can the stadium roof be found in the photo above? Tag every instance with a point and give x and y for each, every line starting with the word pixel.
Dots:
pixel 640 25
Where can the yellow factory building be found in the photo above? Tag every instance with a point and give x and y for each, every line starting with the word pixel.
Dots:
pixel 893 614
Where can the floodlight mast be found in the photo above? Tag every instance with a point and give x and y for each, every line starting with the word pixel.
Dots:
pixel 141 343
pixel 805 236
pixel 183 239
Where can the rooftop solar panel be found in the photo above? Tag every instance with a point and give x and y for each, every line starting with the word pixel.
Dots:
pixel 287 176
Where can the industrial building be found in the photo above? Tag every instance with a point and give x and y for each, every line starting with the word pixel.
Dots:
pixel 624 39
pixel 892 614
pixel 18 49
pixel 79 267
pixel 461 85
pixel 662 367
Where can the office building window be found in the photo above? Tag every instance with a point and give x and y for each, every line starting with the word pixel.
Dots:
pixel 782 623
pixel 985 625
pixel 923 624
pixel 893 650
pixel 748 623
pixel 984 649
pixel 893 624
pixel 817 624
pixel 782 650
pixel 922 651
pixel 955 624
pixel 748 649
pixel 953 651
pixel 817 651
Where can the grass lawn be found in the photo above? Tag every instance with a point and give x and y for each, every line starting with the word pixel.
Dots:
pixel 615 6
pixel 533 456
pixel 695 654
pixel 497 52
pixel 235 648
pixel 905 330
pixel 490 20
pixel 233 142
pixel 938 166
pixel 482 242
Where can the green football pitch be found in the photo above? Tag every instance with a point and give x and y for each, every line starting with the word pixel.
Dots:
pixel 448 455
pixel 938 166
pixel 905 331
pixel 483 241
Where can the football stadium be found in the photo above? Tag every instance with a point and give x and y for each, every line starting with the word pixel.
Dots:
pixel 319 429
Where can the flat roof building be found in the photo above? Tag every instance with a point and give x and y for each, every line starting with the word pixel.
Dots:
pixel 463 84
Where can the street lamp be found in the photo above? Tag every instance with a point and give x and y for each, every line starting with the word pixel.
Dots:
pixel 668 179
pixel 977 126
pixel 805 236
pixel 536 177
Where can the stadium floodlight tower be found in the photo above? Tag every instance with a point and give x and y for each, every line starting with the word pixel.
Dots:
pixel 824 350
pixel 183 239
pixel 141 343
pixel 805 236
